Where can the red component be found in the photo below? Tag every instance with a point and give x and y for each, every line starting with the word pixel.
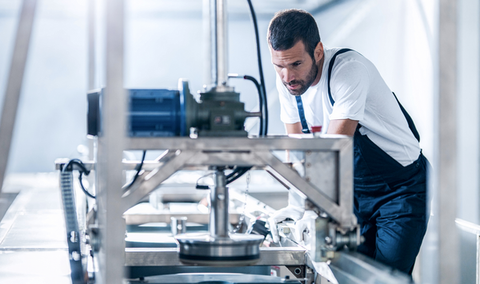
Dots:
pixel 316 129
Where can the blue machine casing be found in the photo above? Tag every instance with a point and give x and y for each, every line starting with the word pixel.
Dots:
pixel 156 113
pixel 152 113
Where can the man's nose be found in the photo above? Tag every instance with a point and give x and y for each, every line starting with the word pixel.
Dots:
pixel 287 75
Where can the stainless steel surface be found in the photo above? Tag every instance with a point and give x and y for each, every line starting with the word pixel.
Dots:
pixel 224 278
pixel 473 229
pixel 201 218
pixel 258 152
pixel 169 256
pixel 222 42
pixel 203 249
pixel 218 44
pixel 342 212
pixel 33 246
pixel 178 225
pixel 236 145
pixel 14 82
pixel 320 167
pixel 219 200
pixel 350 268
pixel 110 151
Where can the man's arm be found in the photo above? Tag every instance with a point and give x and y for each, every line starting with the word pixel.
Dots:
pixel 342 126
pixel 294 128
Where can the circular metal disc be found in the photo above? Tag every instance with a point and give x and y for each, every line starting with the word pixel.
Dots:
pixel 237 249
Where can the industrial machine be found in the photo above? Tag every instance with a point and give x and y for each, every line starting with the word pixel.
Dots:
pixel 200 246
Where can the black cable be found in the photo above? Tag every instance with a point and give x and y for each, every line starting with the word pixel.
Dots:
pixel 260 103
pixel 139 169
pixel 82 170
pixel 238 172
pixel 260 98
pixel 202 186
pixel 83 188
pixel 260 68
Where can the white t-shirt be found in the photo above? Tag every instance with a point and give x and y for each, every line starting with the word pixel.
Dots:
pixel 360 94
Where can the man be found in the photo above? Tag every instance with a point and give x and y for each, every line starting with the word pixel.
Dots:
pixel 343 91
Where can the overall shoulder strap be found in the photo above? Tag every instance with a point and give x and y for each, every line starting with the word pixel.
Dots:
pixel 409 119
pixel 301 113
pixel 330 67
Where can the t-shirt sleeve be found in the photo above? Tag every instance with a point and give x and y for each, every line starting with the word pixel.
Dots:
pixel 288 108
pixel 349 86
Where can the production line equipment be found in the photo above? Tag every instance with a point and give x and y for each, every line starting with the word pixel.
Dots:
pixel 207 133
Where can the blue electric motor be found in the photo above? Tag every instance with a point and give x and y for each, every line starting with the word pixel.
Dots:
pixel 173 113
pixel 152 113
pixel 157 112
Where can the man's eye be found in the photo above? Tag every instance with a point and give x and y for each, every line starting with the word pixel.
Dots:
pixel 296 64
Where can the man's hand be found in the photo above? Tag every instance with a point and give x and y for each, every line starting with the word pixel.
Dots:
pixel 342 126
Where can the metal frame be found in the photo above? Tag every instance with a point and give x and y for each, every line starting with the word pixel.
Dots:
pixel 252 152
pixel 169 256
pixel 187 153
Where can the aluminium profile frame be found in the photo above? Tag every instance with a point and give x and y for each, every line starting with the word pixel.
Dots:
pixel 224 151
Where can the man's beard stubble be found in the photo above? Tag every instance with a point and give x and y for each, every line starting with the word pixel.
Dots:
pixel 304 84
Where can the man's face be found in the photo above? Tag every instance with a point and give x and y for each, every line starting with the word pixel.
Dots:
pixel 296 68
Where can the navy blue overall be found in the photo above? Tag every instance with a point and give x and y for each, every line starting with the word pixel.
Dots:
pixel 389 199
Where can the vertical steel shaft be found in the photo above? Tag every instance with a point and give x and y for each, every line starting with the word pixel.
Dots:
pixel 219 206
pixel 218 47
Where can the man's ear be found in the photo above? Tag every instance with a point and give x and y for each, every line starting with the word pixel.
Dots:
pixel 318 51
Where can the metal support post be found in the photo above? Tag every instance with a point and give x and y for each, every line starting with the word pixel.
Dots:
pixel 111 144
pixel 14 82
pixel 443 183
pixel 219 206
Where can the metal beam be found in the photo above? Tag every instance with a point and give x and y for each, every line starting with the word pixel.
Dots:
pixel 169 256
pixel 14 82
pixel 237 144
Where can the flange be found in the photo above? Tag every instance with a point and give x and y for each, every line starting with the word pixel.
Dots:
pixel 237 249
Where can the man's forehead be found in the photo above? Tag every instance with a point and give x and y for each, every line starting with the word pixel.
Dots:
pixel 296 51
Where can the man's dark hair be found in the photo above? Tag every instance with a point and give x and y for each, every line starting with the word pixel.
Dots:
pixel 289 26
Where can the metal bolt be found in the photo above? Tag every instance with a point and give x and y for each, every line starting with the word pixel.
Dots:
pixel 297 271
pixel 307 179
pixel 328 240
